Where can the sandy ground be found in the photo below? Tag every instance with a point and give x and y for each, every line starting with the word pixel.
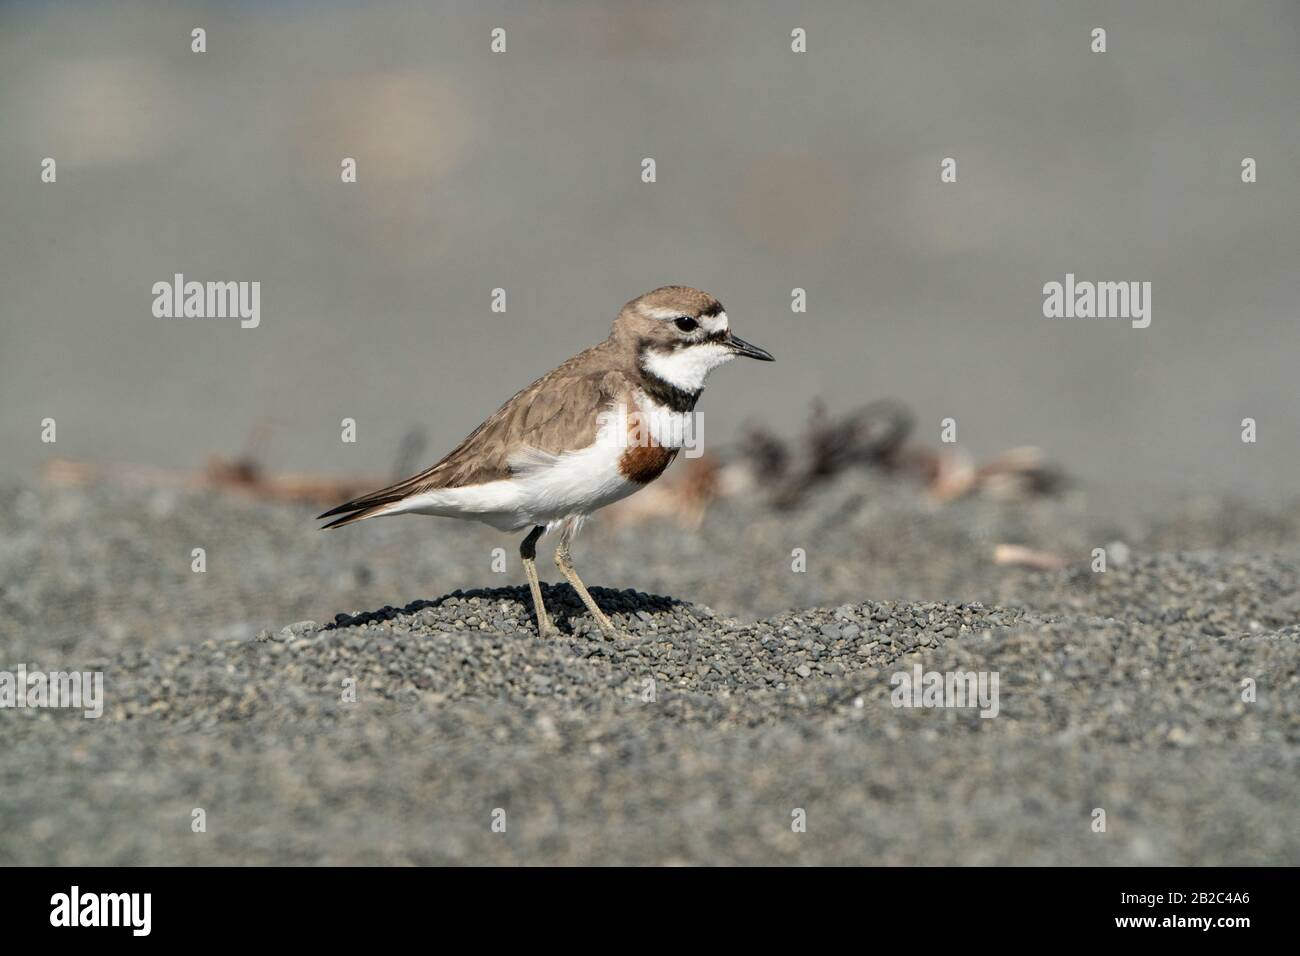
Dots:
pixel 700 735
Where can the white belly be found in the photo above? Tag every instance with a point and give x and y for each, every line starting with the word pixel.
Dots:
pixel 545 489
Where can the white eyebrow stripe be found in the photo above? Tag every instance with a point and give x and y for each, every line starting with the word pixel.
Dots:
pixel 663 313
pixel 714 323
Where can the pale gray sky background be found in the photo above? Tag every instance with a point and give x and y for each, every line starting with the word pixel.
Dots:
pixel 775 170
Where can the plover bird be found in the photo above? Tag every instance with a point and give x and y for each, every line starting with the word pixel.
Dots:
pixel 603 425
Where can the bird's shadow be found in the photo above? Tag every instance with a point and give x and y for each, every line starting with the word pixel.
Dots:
pixel 562 603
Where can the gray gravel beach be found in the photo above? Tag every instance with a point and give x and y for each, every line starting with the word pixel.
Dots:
pixel 694 739
pixel 431 220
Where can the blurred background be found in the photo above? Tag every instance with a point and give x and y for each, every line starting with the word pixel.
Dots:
pixel 776 170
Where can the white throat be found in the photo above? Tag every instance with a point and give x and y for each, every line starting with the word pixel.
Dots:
pixel 687 368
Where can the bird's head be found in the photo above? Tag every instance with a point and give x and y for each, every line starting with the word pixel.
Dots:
pixel 680 335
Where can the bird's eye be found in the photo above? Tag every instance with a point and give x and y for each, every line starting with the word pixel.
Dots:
pixel 686 323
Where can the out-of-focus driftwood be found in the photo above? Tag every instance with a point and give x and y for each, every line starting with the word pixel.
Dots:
pixel 876 436
pixel 1019 556
pixel 786 473
pixel 237 476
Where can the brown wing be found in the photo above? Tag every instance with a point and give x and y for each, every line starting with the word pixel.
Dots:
pixel 555 414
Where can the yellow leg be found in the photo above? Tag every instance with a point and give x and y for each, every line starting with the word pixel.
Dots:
pixel 528 554
pixel 565 564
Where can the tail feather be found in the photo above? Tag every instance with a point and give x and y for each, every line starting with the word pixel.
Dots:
pixel 356 504
pixel 355 516
pixel 358 509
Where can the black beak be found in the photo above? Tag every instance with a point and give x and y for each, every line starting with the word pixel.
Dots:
pixel 741 347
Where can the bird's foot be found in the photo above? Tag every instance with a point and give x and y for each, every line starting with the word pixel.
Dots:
pixel 607 628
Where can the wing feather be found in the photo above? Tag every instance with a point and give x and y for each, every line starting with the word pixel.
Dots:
pixel 555 414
